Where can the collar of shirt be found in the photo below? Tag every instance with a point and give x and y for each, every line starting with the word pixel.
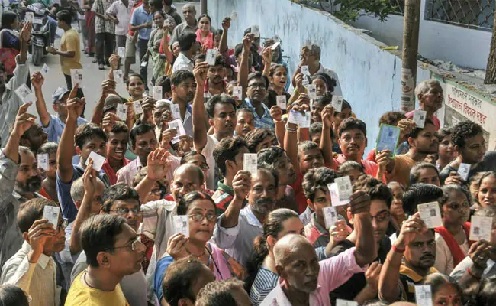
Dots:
pixel 314 222
pixel 42 261
pixel 183 58
pixel 225 188
pixel 414 275
pixel 250 217
pixel 252 108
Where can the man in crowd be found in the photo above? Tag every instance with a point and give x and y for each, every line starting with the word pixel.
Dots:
pixel 189 25
pixel 141 21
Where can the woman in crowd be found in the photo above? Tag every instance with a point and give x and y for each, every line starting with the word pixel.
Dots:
pixel 204 34
pixel 443 291
pixel 446 151
pixel 10 41
pixel 486 192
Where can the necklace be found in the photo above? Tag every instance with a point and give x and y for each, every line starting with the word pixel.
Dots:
pixel 86 281
pixel 194 255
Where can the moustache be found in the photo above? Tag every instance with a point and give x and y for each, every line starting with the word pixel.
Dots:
pixel 263 202
pixel 33 184
pixel 427 256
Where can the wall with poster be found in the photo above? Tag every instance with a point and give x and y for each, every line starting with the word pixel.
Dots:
pixel 462 103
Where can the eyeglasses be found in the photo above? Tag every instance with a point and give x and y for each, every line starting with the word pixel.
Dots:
pixel 125 211
pixel 380 217
pixel 257 85
pixel 199 217
pixel 133 245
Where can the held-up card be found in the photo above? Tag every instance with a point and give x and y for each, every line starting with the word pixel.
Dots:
pixel 44 70
pixel 255 30
pixel 250 162
pixel 463 171
pixel 419 118
pixel 312 91
pixel 138 110
pixel 25 94
pixel 430 213
pixel 388 138
pixel 118 77
pixel 281 101
pixel 304 70
pixel 481 228
pixel 51 213
pixel 157 92
pixel 181 225
pixel 210 57
pixel 423 295
pixel 122 111
pixel 121 51
pixel 337 103
pixel 334 193
pixel 38 20
pixel 294 117
pixel 175 111
pixel 42 161
pixel 275 45
pixel 29 17
pixel 340 302
pixel 330 216
pixel 234 16
pixel 77 77
pixel 305 120
pixel 178 126
pixel 237 92
pixel 98 161
pixel 345 188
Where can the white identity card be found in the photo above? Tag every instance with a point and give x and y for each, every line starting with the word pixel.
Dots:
pixel 178 126
pixel 330 216
pixel 25 94
pixel 281 101
pixel 42 161
pixel 38 20
pixel 181 225
pixel 237 92
pixel 255 30
pixel 388 138
pixel 304 70
pixel 118 77
pixel 98 161
pixel 481 228
pixel 294 117
pixel 250 162
pixel 138 109
pixel 312 91
pixel 157 92
pixel 175 111
pixel 51 213
pixel 210 57
pixel 340 302
pixel 305 120
pixel 45 69
pixel 29 17
pixel 77 77
pixel 334 193
pixel 275 45
pixel 122 111
pixel 345 188
pixel 430 213
pixel 337 103
pixel 121 51
pixel 423 295
pixel 419 117
pixel 463 171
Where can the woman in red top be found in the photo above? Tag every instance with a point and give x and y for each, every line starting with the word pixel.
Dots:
pixel 204 34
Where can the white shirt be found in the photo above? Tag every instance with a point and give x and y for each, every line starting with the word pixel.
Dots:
pixel 123 14
pixel 208 152
pixel 183 63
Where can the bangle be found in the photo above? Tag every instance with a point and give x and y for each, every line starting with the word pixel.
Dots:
pixel 291 130
pixel 397 250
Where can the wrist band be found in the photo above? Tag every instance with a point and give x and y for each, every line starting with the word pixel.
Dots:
pixel 291 130
pixel 397 250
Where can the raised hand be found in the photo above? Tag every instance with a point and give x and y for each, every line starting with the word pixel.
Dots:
pixel 409 230
pixel 372 276
pixel 226 23
pixel 114 61
pixel 200 72
pixel 37 80
pixel 360 202
pixel 327 116
pixel 406 126
pixel 176 246
pixel 247 42
pixel 276 113
pixel 89 179
pixel 23 120
pixel 74 107
pixel 26 32
pixel 339 231
pixel 479 253
pixel 157 164
pixel 453 178
pixel 37 237
pixel 382 159
pixel 241 184
pixel 108 87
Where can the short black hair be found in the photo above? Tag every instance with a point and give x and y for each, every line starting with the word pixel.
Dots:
pixel 11 295
pixel 256 136
pixel 8 18
pixel 416 131
pixel 65 16
pixel 133 75
pixel 415 171
pixel 227 149
pixel 165 82
pixel 258 75
pixel 89 131
pixel 219 99
pixel 31 211
pixel 317 179
pixel 186 40
pixel 180 76
pixel 463 131
pixel 267 158
pixel 189 198
pixel 316 128
pixel 118 192
pixel 374 188
pixel 330 82
pixel 140 129
pixel 391 118
pixel 352 124
pixel 218 293
pixel 418 194
pixel 98 234
pixel 48 148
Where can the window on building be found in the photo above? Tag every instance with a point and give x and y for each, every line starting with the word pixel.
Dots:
pixel 468 13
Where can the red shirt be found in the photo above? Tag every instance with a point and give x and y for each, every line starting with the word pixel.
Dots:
pixel 110 172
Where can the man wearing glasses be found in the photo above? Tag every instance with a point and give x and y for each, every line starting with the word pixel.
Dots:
pixel 32 268
pixel 121 201
pixel 256 94
pixel 114 252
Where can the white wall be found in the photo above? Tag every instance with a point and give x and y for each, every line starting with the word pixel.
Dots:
pixel 462 46
pixel 370 77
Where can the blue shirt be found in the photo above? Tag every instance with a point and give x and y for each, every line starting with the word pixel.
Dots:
pixel 162 266
pixel 140 16
pixel 55 128
pixel 264 122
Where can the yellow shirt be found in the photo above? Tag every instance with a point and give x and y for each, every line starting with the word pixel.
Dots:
pixel 70 42
pixel 81 294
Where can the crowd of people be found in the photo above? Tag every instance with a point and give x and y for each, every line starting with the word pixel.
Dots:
pixel 221 190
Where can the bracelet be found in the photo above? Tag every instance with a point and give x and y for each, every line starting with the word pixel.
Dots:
pixel 397 250
pixel 291 130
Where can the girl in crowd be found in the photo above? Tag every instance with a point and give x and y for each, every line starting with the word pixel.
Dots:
pixel 486 193
pixel 278 76
pixel 445 152
pixel 397 211
pixel 200 209
pixel 204 34
pixel 452 241
pixel 262 275
pixel 156 37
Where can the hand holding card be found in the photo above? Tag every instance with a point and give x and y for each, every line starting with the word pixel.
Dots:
pixel 98 161
pixel 481 228
pixel 181 225
pixel 51 213
pixel 430 213
pixel 250 163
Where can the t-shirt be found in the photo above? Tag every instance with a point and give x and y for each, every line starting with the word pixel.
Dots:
pixel 208 152
pixel 81 294
pixel 70 42
pixel 488 163
pixel 402 166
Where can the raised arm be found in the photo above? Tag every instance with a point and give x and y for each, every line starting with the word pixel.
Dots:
pixel 22 123
pixel 199 113
pixel 267 60
pixel 291 143
pixel 226 24
pixel 108 86
pixel 366 250
pixel 244 66
pixel 280 130
pixel 241 185
pixel 325 136
pixel 156 171
pixel 25 36
pixel 41 108
pixel 389 289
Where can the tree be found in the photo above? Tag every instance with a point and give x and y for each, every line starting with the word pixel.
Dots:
pixel 491 60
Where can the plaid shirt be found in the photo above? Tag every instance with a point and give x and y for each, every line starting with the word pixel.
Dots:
pixel 264 122
pixel 102 26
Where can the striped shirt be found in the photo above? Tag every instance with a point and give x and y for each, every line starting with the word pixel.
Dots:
pixel 263 122
pixel 265 281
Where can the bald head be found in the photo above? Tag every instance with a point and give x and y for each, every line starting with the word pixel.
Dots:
pixel 192 171
pixel 288 245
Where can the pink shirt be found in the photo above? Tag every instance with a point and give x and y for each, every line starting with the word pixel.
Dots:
pixel 334 272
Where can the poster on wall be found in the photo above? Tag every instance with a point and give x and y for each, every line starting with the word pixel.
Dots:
pixel 461 104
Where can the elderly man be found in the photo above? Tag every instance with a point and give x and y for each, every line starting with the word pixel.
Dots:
pixel 189 24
